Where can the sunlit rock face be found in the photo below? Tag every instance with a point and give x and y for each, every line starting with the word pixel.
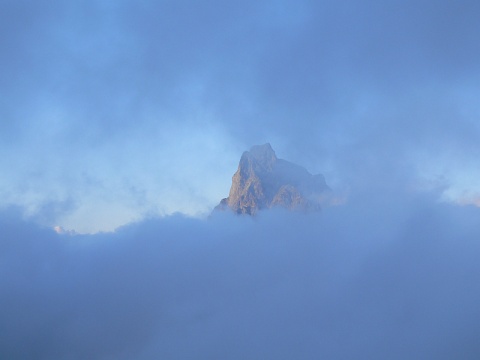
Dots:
pixel 263 181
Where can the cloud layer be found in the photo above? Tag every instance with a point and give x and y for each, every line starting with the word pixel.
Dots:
pixel 395 277
pixel 118 108
pixel 113 112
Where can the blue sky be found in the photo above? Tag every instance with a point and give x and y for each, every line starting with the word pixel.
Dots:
pixel 113 111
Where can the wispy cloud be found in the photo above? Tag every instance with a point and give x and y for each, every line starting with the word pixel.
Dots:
pixel 111 94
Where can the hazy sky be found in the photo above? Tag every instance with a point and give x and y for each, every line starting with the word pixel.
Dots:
pixel 122 113
pixel 116 110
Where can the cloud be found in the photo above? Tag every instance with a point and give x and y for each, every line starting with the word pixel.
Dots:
pixel 93 92
pixel 118 112
pixel 392 277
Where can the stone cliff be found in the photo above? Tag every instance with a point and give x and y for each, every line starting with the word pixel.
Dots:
pixel 263 181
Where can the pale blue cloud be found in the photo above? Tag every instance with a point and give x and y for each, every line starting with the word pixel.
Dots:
pixel 92 93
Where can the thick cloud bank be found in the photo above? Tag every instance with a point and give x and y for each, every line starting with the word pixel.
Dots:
pixel 394 279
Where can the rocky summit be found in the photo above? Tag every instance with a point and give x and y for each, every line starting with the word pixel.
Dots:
pixel 263 181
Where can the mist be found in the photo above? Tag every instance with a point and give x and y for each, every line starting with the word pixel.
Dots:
pixel 124 121
pixel 120 108
pixel 392 277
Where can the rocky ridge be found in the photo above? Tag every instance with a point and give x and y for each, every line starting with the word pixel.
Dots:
pixel 263 181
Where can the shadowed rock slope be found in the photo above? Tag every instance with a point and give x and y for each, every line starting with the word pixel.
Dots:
pixel 263 181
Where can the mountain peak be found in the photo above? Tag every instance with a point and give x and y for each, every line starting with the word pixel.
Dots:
pixel 263 181
pixel 263 152
pixel 260 158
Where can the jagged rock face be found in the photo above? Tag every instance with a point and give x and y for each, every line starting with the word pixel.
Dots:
pixel 263 181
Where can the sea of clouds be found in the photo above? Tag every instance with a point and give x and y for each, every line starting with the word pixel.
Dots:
pixel 380 277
